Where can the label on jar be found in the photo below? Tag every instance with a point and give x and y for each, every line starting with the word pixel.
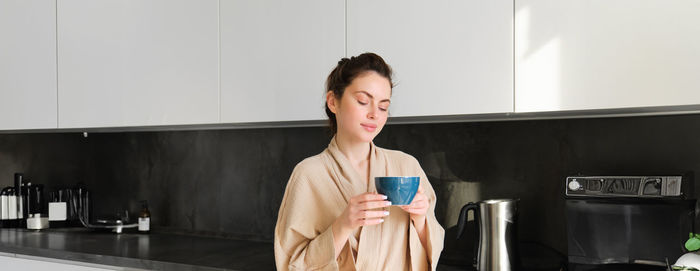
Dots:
pixel 144 223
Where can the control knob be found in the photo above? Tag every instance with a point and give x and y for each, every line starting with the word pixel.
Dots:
pixel 574 185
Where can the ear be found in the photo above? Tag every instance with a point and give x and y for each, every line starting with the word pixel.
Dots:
pixel 331 101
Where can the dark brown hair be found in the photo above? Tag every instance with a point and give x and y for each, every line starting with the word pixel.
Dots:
pixel 346 71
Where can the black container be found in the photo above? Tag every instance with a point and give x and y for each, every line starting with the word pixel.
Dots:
pixel 35 199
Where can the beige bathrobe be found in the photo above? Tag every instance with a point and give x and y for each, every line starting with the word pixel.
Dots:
pixel 317 193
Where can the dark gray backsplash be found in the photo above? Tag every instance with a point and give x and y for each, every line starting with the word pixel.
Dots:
pixel 230 182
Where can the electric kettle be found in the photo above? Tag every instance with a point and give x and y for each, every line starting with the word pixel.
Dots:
pixel 496 218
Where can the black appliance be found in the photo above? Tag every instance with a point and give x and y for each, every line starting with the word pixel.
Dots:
pixel 627 222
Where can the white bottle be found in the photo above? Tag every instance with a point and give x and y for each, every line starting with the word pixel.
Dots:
pixel 12 207
pixel 144 218
pixel 3 204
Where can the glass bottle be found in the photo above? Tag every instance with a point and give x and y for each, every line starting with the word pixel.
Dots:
pixel 144 218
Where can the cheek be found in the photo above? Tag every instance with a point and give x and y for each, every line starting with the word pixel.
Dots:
pixel 383 116
pixel 352 112
pixel 358 111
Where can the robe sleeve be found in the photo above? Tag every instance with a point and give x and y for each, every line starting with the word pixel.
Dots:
pixel 303 234
pixel 435 234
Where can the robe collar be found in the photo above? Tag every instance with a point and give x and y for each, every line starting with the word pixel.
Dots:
pixel 351 182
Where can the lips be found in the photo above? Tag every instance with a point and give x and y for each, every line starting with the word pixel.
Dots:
pixel 369 127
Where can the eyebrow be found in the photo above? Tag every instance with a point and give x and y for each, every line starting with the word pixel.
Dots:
pixel 370 95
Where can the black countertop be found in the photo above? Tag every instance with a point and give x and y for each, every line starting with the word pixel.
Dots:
pixel 145 251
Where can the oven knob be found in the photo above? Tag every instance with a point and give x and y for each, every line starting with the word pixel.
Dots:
pixel 574 185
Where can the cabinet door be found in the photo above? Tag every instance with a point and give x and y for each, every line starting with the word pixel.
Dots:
pixel 136 62
pixel 27 64
pixel 275 57
pixel 449 57
pixel 595 54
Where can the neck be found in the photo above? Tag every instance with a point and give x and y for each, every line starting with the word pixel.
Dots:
pixel 356 151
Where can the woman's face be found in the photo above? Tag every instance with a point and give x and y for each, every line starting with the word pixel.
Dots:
pixel 364 107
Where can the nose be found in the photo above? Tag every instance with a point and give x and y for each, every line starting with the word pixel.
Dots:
pixel 372 114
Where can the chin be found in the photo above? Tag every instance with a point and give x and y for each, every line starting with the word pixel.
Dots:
pixel 365 136
pixel 370 136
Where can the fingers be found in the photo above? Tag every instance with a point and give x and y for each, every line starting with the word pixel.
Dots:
pixel 420 197
pixel 416 211
pixel 416 205
pixel 419 205
pixel 368 201
pixel 373 214
pixel 365 218
pixel 368 222
pixel 361 209
pixel 419 209
pixel 373 205
pixel 368 197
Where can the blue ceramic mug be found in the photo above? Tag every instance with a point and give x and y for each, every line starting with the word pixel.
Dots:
pixel 399 190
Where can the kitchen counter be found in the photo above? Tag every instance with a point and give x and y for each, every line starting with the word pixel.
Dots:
pixel 143 251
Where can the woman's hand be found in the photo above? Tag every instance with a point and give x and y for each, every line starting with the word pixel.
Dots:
pixel 418 207
pixel 362 211
pixel 417 210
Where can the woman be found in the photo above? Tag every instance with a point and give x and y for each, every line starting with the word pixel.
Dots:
pixel 331 216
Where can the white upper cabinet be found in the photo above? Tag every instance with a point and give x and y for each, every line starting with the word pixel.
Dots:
pixel 137 62
pixel 27 64
pixel 449 57
pixel 275 57
pixel 596 54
